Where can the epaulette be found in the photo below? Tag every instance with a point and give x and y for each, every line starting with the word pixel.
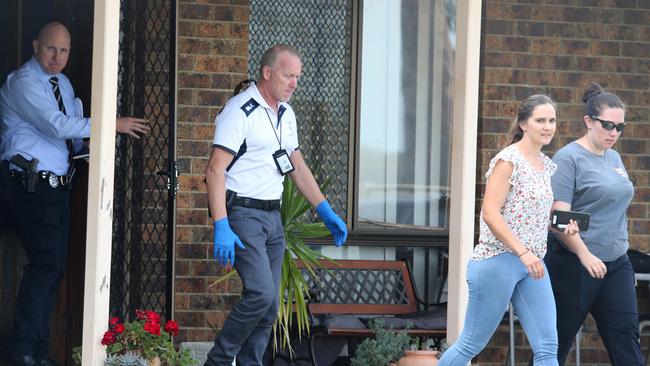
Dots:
pixel 249 106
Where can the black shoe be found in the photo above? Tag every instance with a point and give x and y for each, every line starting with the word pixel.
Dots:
pixel 26 360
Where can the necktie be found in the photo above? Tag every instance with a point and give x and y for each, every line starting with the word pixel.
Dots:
pixel 70 142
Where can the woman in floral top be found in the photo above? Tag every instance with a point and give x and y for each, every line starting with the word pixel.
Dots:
pixel 507 265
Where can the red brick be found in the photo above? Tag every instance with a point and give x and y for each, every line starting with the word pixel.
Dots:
pixel 542 78
pixel 228 47
pixel 203 132
pixel 221 64
pixel 190 285
pixel 192 217
pixel 504 76
pixel 496 92
pixel 545 46
pixel 589 30
pixel 639 17
pixel 181 301
pixel 186 28
pixel 193 114
pixel 606 48
pixel 223 30
pixel 493 26
pixel 561 30
pixel 211 97
pixel 607 16
pixel 573 47
pixel 183 131
pixel 638 82
pixel 193 46
pixel 548 13
pixel 531 29
pixel 194 11
pixel 507 11
pixel 528 61
pixel 621 32
pixel 184 97
pixel 216 318
pixel 192 183
pixel 590 63
pixel 191 251
pixel 230 14
pixel 191 148
pixel 183 233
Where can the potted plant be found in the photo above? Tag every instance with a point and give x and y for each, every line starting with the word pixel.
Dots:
pixel 385 348
pixel 418 354
pixel 142 338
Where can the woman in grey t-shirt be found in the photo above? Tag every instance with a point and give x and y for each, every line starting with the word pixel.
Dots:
pixel 590 272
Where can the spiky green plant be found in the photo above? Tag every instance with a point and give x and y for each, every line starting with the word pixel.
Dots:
pixel 293 287
pixel 126 359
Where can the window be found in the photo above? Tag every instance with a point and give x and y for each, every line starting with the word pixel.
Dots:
pixel 407 54
pixel 374 119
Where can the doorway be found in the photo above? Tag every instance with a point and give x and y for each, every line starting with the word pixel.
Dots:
pixel 145 173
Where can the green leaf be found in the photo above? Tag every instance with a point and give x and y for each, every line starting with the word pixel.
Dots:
pixel 293 287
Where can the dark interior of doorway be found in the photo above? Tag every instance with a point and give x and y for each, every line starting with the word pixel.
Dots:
pixel 20 21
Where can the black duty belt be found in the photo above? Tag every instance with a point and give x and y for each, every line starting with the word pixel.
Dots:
pixel 44 175
pixel 266 205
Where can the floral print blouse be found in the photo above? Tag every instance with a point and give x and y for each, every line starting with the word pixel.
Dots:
pixel 527 206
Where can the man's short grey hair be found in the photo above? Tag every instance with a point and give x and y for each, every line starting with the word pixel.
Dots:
pixel 270 56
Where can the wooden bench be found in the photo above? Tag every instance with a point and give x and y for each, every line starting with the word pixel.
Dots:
pixel 346 294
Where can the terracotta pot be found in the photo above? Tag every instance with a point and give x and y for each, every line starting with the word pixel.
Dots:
pixel 154 361
pixel 419 358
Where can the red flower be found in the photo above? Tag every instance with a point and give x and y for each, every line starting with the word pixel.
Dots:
pixel 118 328
pixel 140 314
pixel 153 328
pixel 171 327
pixel 153 317
pixel 114 320
pixel 109 338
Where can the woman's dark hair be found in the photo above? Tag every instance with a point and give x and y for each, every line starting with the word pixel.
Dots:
pixel 524 112
pixel 595 99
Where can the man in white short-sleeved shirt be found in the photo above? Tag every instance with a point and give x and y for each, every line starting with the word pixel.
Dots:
pixel 254 147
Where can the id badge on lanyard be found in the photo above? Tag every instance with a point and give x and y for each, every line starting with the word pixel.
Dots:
pixel 281 157
pixel 283 162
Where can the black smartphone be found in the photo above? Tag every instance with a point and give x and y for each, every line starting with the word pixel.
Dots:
pixel 560 219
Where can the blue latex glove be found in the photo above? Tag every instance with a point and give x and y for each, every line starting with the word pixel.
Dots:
pixel 224 242
pixel 334 224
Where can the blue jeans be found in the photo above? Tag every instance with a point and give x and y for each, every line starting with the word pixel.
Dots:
pixel 246 332
pixel 494 282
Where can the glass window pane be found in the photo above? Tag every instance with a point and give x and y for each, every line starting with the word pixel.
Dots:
pixel 407 59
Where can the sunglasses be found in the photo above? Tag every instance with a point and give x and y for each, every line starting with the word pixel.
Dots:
pixel 609 125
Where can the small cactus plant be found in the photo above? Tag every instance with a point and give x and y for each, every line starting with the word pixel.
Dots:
pixel 126 359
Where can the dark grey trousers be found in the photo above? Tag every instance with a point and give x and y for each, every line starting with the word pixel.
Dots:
pixel 246 332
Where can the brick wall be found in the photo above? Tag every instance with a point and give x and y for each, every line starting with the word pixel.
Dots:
pixel 558 47
pixel 212 59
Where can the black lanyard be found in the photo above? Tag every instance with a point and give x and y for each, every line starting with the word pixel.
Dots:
pixel 276 134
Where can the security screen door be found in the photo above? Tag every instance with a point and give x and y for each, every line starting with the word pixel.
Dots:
pixel 145 170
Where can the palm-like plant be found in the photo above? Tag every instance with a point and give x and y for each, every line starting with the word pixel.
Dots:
pixel 293 287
